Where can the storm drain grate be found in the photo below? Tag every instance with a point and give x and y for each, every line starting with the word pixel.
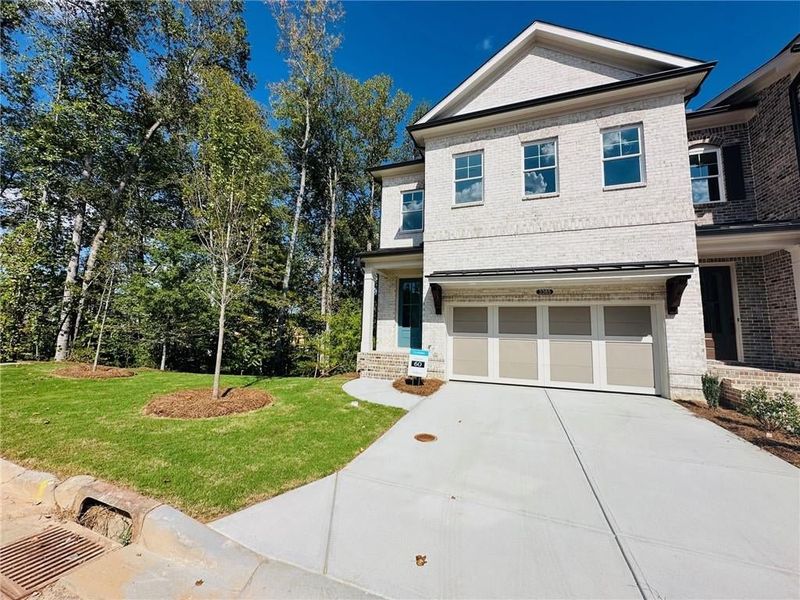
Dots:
pixel 33 562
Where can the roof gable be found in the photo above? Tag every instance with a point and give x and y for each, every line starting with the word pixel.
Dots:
pixel 547 59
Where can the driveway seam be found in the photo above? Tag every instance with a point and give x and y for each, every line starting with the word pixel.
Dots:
pixel 330 524
pixel 626 555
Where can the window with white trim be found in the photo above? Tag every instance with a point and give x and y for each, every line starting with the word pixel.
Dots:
pixel 540 168
pixel 705 171
pixel 469 178
pixel 412 210
pixel 623 161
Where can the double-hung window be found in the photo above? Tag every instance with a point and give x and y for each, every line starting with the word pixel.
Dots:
pixel 412 210
pixel 705 170
pixel 623 160
pixel 540 168
pixel 469 178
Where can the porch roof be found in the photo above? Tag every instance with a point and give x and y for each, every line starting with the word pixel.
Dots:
pixel 751 238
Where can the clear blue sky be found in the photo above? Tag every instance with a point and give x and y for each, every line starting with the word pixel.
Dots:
pixel 429 47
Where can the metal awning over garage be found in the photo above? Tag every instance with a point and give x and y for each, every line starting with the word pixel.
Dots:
pixel 602 273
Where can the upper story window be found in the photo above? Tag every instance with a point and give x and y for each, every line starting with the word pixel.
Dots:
pixel 469 178
pixel 540 168
pixel 623 162
pixel 413 210
pixel 705 170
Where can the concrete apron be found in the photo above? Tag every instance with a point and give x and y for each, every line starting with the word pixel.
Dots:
pixel 173 555
pixel 530 493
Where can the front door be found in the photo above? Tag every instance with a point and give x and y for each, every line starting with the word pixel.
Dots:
pixel 718 314
pixel 409 314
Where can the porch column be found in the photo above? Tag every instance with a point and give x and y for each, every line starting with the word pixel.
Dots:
pixel 794 251
pixel 367 309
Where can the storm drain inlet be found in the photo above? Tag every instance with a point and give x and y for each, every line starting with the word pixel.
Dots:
pixel 31 563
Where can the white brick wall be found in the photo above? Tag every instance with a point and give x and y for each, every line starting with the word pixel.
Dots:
pixel 542 72
pixel 391 203
pixel 583 224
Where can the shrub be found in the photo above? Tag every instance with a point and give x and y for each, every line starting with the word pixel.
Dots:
pixel 712 387
pixel 776 412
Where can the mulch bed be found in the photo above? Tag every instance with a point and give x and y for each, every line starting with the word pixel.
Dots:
pixel 781 444
pixel 197 404
pixel 428 386
pixel 84 371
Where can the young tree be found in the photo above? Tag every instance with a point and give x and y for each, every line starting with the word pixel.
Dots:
pixel 237 169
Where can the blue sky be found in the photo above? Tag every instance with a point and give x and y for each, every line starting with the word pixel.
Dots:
pixel 429 47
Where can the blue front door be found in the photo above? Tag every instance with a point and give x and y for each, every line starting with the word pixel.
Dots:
pixel 409 314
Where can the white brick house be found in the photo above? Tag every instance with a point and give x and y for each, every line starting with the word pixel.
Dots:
pixel 547 237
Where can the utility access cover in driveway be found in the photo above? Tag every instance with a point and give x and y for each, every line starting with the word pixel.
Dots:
pixel 533 493
pixel 33 562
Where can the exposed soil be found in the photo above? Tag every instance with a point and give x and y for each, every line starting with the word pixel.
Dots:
pixel 781 444
pixel 197 404
pixel 84 371
pixel 426 389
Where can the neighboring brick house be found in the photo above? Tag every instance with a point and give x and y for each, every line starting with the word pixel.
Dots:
pixel 748 235
pixel 548 237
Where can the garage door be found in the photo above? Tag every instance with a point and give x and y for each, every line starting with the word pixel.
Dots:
pixel 593 346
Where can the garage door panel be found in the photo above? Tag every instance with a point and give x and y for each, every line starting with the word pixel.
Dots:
pixel 519 359
pixel 571 361
pixel 630 364
pixel 471 356
pixel 631 321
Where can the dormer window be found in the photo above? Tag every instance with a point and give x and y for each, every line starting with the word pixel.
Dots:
pixel 705 170
pixel 469 178
pixel 412 210
pixel 623 161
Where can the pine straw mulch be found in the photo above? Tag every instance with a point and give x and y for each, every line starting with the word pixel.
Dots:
pixel 781 444
pixel 197 404
pixel 428 386
pixel 84 371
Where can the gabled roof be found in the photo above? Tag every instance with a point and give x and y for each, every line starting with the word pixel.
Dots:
pixel 785 62
pixel 637 59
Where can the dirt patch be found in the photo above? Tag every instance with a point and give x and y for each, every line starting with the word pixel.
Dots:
pixel 197 404
pixel 84 371
pixel 781 444
pixel 426 389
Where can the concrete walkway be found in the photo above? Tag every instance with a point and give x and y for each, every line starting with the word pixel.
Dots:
pixel 532 493
pixel 380 391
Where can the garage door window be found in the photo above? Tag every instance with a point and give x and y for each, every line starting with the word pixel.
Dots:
pixel 571 344
pixel 470 319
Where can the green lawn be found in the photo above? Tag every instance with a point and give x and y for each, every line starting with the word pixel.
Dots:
pixel 206 467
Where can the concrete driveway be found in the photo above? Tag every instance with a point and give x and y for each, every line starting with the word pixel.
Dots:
pixel 533 493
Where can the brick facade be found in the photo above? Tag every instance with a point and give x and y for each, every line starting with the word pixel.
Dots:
pixel 782 303
pixel 775 155
pixel 733 209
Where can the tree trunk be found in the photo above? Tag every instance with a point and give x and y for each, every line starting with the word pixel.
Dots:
pixel 298 205
pixel 103 322
pixel 220 333
pixel 88 272
pixel 65 328
pixel 163 354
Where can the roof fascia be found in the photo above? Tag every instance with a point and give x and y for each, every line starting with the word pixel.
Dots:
pixel 768 72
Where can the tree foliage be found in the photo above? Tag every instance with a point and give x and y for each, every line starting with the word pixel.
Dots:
pixel 137 171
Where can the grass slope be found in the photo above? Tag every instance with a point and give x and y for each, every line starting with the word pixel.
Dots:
pixel 206 467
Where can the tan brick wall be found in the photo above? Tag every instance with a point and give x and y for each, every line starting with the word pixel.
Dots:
pixel 391 365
